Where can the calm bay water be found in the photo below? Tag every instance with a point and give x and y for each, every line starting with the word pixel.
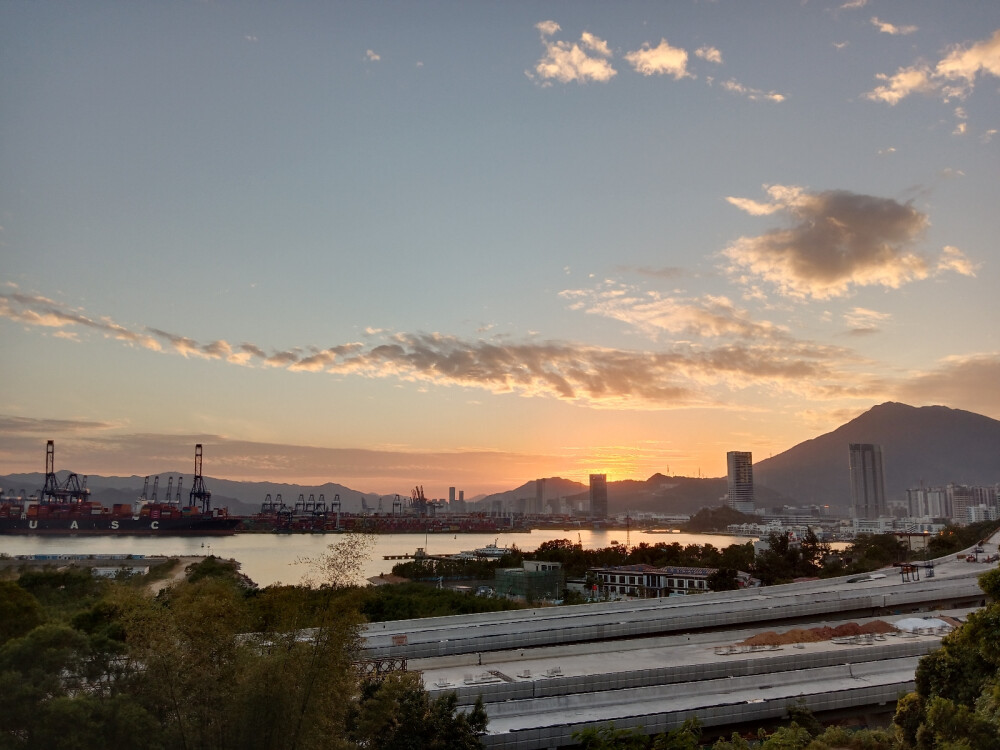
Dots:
pixel 273 558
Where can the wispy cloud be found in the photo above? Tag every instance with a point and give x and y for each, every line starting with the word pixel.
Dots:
pixel 92 448
pixel 26 425
pixel 756 95
pixel 566 62
pixel 372 56
pixel 837 240
pixel 863 322
pixel 659 60
pixel 680 375
pixel 953 259
pixel 954 75
pixel 854 4
pixel 965 382
pixel 41 311
pixel 652 313
pixel 888 28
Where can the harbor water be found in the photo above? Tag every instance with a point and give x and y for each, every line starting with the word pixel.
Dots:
pixel 283 558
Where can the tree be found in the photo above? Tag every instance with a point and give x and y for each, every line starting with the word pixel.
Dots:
pixel 216 681
pixel 396 713
pixel 58 694
pixel 957 700
pixel 606 737
pixel 20 612
pixel 723 579
pixel 685 737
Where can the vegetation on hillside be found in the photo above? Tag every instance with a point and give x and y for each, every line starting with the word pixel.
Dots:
pixel 211 662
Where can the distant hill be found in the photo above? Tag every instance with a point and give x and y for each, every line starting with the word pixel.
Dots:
pixel 555 488
pixel 659 494
pixel 933 444
pixel 930 444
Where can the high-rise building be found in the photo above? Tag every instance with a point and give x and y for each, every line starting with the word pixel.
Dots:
pixel 740 481
pixel 539 506
pixel 598 495
pixel 867 481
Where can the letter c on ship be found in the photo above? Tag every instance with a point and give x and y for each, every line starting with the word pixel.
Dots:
pixel 154 525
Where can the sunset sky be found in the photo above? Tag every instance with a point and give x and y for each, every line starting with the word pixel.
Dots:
pixel 473 243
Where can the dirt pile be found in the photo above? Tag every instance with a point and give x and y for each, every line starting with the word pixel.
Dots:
pixel 814 635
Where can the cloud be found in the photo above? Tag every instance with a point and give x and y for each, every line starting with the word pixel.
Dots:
pixel 863 322
pixel 650 312
pixel 837 240
pixel 888 28
pixel 595 44
pixel 757 353
pixel 41 311
pixel 372 56
pixel 753 94
pixel 887 150
pixel 953 259
pixel 854 4
pixel 711 54
pixel 906 81
pixel 953 76
pixel 660 60
pixel 662 272
pixel 963 382
pixel 548 28
pixel 26 425
pixel 841 45
pixel 966 63
pixel 782 197
pixel 93 449
pixel 565 62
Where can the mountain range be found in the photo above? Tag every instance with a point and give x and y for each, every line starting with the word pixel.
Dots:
pixel 933 445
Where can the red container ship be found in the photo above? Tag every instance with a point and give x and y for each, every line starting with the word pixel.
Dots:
pixel 66 509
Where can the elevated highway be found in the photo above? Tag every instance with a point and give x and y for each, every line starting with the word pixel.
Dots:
pixel 953 585
pixel 547 673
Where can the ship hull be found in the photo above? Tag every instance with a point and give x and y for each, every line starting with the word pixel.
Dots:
pixel 104 526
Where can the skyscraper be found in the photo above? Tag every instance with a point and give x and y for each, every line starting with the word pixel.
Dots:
pixel 539 506
pixel 867 481
pixel 740 481
pixel 598 495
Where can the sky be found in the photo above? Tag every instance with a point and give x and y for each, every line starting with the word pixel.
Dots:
pixel 389 244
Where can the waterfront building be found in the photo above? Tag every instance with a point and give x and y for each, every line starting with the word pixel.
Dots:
pixel 599 496
pixel 867 481
pixel 740 481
